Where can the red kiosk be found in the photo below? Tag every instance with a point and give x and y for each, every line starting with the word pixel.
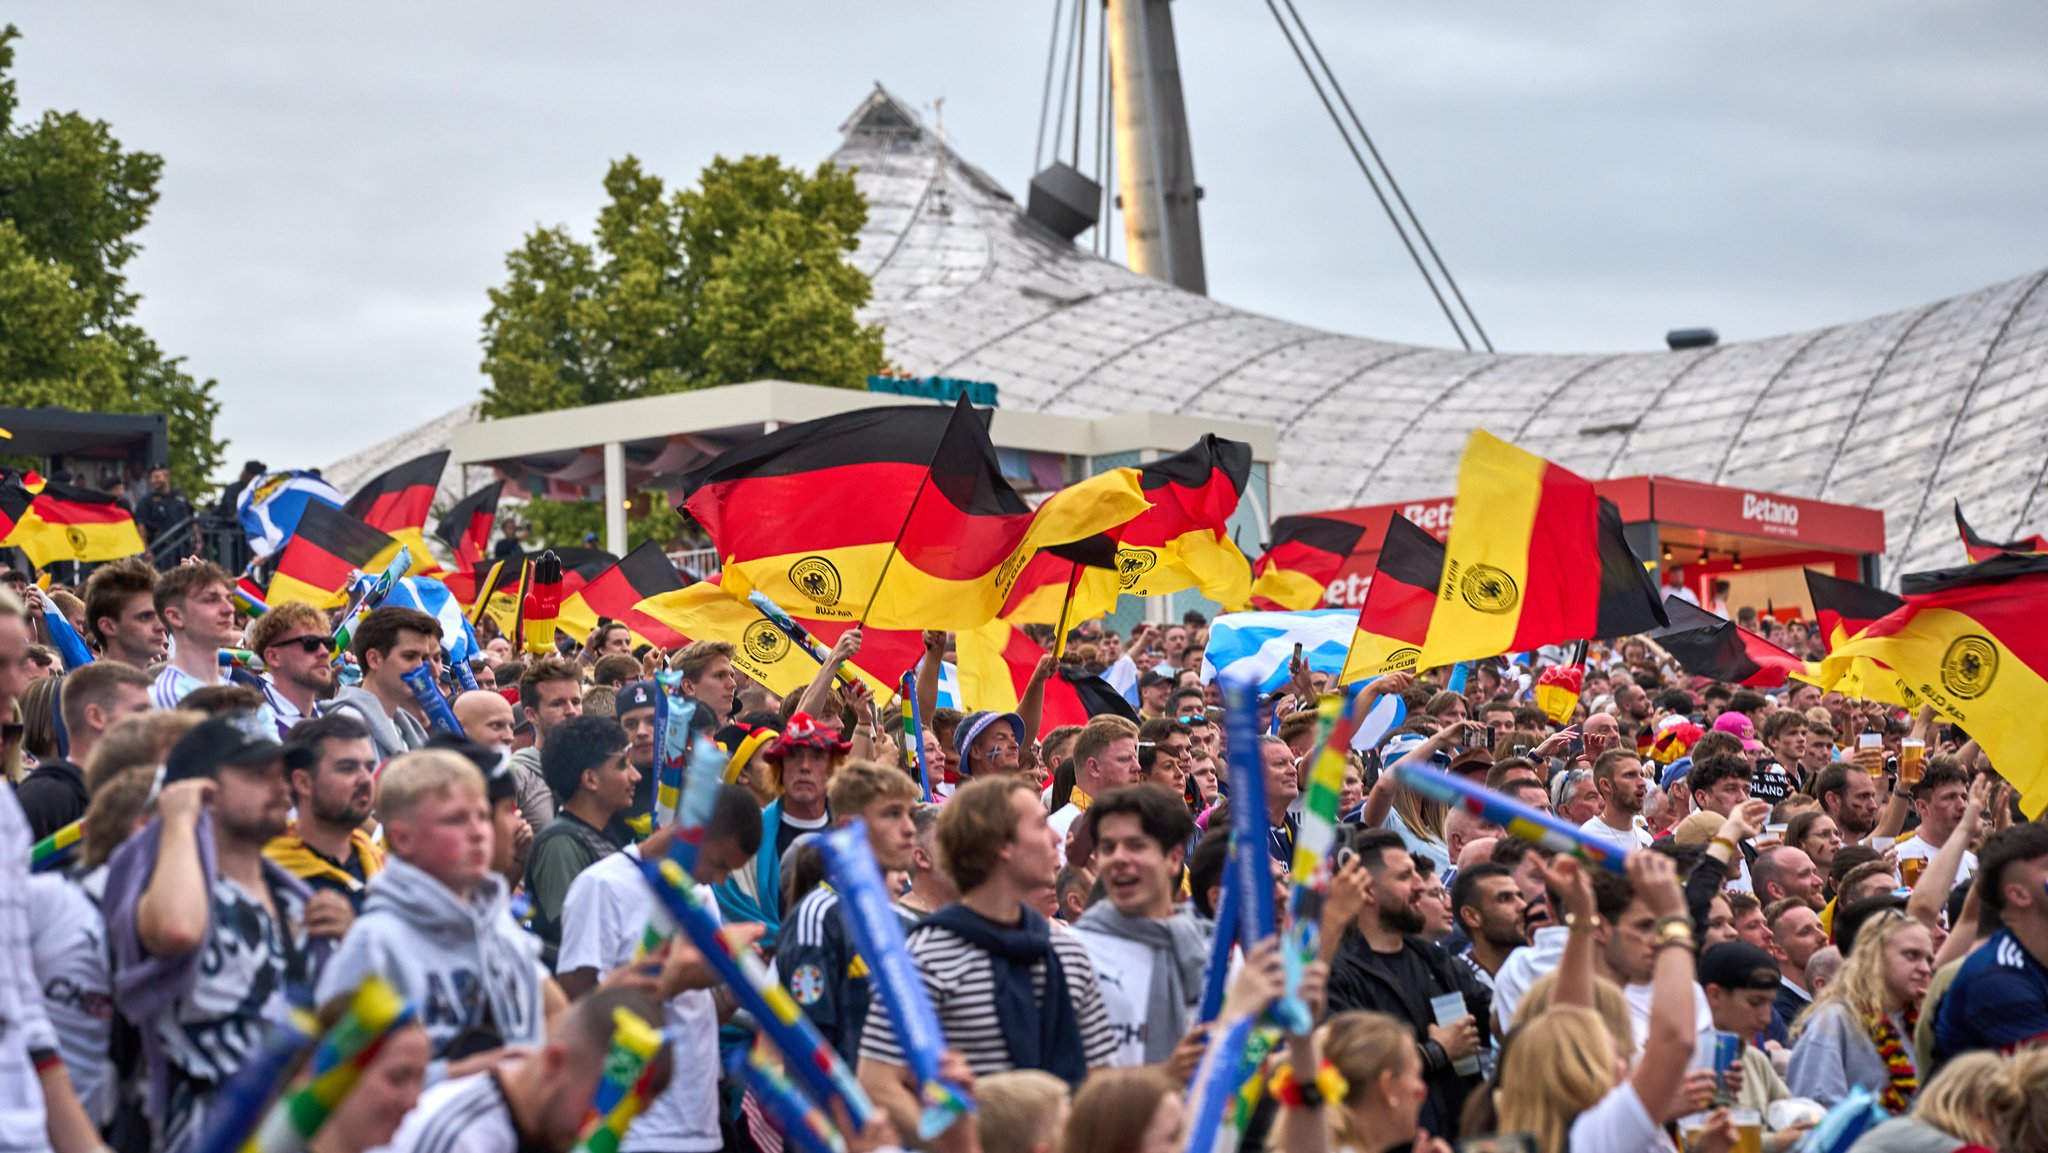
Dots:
pixel 1690 534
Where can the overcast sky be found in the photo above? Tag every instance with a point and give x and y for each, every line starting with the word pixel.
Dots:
pixel 342 182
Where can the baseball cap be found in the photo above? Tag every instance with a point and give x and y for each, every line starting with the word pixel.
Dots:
pixel 495 766
pixel 1472 760
pixel 242 739
pixel 1739 725
pixel 975 723
pixel 635 695
pixel 1738 965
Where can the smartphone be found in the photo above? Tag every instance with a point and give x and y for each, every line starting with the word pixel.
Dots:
pixel 1297 650
pixel 1578 746
pixel 1492 736
pixel 1522 751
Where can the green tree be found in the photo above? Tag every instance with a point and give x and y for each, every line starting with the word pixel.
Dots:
pixel 743 277
pixel 71 202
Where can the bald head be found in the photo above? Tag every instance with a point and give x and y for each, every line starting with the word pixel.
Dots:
pixel 486 718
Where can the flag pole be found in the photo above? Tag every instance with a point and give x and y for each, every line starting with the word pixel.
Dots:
pixel 1059 640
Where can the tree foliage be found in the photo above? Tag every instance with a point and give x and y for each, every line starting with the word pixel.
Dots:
pixel 72 200
pixel 743 277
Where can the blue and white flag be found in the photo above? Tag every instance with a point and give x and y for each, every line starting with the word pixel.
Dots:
pixel 432 597
pixel 1259 644
pixel 949 685
pixel 270 507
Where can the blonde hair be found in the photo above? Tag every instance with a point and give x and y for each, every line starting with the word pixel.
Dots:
pixel 1608 1002
pixel 1960 1099
pixel 1114 1108
pixel 857 784
pixel 2018 1106
pixel 1859 987
pixel 112 814
pixel 1020 1110
pixel 1424 818
pixel 1364 1046
pixel 1557 1066
pixel 413 777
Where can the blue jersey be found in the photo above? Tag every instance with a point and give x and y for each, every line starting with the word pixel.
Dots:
pixel 1998 1001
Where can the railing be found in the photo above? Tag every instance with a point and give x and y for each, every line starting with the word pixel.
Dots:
pixel 701 563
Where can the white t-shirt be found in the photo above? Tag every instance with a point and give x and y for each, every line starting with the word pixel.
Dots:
pixel 1618 1123
pixel 1064 819
pixel 466 1115
pixel 1913 848
pixel 1638 998
pixel 1633 837
pixel 604 915
pixel 1123 969
pixel 71 967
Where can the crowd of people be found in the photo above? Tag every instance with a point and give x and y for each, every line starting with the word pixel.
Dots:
pixel 1821 897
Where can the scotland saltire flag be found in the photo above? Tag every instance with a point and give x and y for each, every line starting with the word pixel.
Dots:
pixel 432 597
pixel 270 507
pixel 1259 644
pixel 949 685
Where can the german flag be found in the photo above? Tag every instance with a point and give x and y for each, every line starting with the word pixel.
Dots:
pixel 1629 602
pixel 467 528
pixel 1183 540
pixel 1302 560
pixel 1394 621
pixel 996 662
pixel 14 501
pixel 326 549
pixel 1981 549
pixel 494 592
pixel 1843 608
pixel 398 501
pixel 1523 566
pixel 1969 642
pixel 1711 646
pixel 896 516
pixel 705 611
pixel 617 588
pixel 64 522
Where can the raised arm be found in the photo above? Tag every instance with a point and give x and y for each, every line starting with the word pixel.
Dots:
pixel 1566 877
pixel 1660 1074
pixel 175 908
pixel 1930 896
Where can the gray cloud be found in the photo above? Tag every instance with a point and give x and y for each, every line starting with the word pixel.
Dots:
pixel 342 186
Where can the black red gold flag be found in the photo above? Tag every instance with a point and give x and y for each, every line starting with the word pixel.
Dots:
pixel 1981 548
pixel 67 522
pixel 1842 608
pixel 1394 621
pixel 326 549
pixel 466 529
pixel 1301 561
pixel 1707 645
pixel 615 591
pixel 398 501
pixel 996 662
pixel 896 516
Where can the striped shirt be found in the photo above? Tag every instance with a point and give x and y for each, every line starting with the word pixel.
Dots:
pixel 960 982
pixel 173 685
pixel 466 1115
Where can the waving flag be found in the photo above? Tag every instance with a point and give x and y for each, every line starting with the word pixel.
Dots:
pixel 1302 560
pixel 1980 548
pixel 996 663
pixel 398 501
pixel 704 611
pixel 14 501
pixel 615 591
pixel 1711 646
pixel 1182 541
pixel 67 522
pixel 1260 644
pixel 896 516
pixel 1533 559
pixel 1394 621
pixel 270 508
pixel 432 597
pixel 1969 642
pixel 327 549
pixel 1843 608
pixel 467 528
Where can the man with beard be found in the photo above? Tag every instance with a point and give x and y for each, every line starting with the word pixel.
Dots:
pixel 332 767
pixel 1618 775
pixel 202 926
pixel 297 648
pixel 1383 965
pixel 1849 794
pixel 1487 902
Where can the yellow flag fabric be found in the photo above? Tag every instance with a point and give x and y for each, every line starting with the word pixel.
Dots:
pixel 704 611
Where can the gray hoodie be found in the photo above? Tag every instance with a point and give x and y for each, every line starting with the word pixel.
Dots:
pixel 391 735
pixel 472 973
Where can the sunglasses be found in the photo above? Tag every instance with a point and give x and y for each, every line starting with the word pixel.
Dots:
pixel 309 644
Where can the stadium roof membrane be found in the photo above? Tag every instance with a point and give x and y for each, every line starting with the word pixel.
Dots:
pixel 1901 412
